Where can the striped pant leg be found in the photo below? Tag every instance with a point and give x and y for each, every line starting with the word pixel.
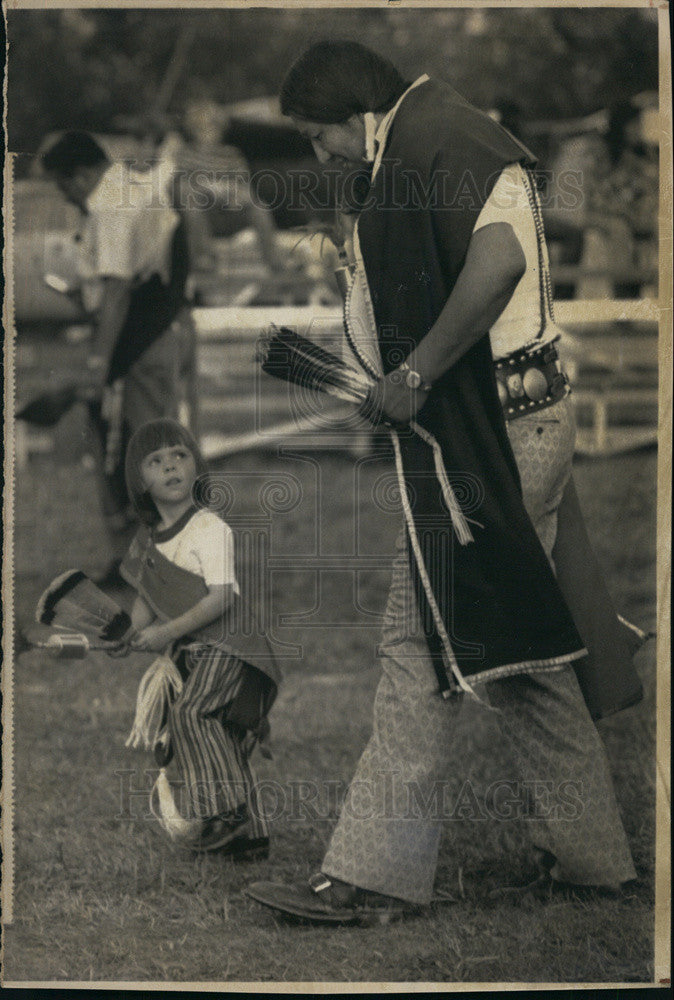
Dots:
pixel 210 755
pixel 259 828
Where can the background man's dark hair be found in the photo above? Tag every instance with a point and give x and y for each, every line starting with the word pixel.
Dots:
pixel 334 80
pixel 71 152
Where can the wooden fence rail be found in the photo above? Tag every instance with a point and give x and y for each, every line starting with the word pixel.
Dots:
pixel 603 367
pixel 610 351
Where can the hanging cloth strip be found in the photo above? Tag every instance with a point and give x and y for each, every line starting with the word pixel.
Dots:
pixel 360 334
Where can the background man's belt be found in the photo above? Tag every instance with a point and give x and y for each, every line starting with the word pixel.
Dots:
pixel 530 380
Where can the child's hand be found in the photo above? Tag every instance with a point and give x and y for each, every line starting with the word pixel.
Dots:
pixel 121 648
pixel 153 638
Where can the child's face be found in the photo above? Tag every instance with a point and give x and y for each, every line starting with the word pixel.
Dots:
pixel 169 473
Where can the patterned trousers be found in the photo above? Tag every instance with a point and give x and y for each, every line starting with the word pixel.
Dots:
pixel 383 841
pixel 211 754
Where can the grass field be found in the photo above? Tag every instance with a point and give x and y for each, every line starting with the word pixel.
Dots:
pixel 100 896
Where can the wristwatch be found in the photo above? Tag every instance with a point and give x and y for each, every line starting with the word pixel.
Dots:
pixel 413 380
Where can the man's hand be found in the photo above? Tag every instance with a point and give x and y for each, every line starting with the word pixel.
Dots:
pixel 392 402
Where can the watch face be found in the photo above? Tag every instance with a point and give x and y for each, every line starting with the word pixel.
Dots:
pixel 413 380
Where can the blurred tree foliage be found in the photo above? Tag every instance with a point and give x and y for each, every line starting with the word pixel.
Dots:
pixel 84 68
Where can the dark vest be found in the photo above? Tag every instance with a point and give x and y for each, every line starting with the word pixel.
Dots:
pixel 153 306
pixel 500 602
pixel 498 598
pixel 170 590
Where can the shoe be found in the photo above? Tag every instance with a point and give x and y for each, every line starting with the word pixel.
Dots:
pixel 323 902
pixel 540 887
pixel 243 848
pixel 219 831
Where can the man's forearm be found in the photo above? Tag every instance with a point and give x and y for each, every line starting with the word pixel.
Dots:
pixel 494 265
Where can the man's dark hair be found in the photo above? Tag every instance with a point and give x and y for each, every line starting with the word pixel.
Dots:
pixel 334 80
pixel 71 152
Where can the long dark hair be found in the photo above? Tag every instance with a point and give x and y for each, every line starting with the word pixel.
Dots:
pixel 156 434
pixel 332 81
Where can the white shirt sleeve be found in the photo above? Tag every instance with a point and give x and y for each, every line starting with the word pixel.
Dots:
pixel 508 201
pixel 213 545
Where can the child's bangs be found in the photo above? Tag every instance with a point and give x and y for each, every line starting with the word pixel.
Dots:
pixel 159 434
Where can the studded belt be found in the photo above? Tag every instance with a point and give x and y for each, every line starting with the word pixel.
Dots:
pixel 528 381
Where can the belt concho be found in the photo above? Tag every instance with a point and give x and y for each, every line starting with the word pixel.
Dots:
pixel 528 381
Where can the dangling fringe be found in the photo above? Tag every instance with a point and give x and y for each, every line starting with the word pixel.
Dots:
pixel 160 684
pixel 167 815
pixel 459 521
pixel 430 596
pixel 637 632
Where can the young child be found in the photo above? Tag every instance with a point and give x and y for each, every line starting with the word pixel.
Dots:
pixel 188 604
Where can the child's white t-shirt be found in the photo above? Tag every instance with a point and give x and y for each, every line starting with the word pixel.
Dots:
pixel 205 546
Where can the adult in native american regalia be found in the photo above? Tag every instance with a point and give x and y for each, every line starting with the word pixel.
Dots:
pixel 495 591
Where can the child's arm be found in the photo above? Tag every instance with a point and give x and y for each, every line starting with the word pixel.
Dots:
pixel 157 636
pixel 141 616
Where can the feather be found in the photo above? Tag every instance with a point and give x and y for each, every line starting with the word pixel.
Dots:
pixel 167 813
pixel 73 601
pixel 289 356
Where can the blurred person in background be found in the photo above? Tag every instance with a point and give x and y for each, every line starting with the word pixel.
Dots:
pixel 450 313
pixel 623 202
pixel 133 247
pixel 604 199
pixel 211 175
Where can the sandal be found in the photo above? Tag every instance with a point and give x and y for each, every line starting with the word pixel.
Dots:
pixel 323 902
